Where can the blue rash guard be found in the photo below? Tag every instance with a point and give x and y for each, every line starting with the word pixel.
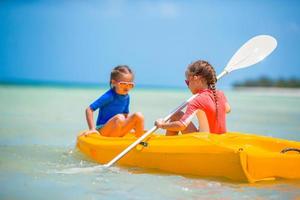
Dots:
pixel 109 105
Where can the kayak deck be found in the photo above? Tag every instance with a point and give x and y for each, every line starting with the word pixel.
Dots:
pixel 237 156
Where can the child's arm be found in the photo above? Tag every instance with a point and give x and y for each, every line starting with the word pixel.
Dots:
pixel 203 122
pixel 227 108
pixel 90 118
pixel 90 121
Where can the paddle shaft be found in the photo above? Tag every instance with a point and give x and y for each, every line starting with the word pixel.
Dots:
pixel 252 52
pixel 144 136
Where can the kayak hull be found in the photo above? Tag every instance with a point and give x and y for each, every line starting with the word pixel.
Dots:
pixel 236 156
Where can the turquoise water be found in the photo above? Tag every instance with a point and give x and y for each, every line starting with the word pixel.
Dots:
pixel 38 128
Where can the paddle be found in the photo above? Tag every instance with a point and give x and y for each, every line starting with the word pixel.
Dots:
pixel 252 52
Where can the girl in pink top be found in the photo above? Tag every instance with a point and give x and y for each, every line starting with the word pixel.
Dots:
pixel 210 106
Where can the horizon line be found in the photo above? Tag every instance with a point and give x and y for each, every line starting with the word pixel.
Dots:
pixel 72 84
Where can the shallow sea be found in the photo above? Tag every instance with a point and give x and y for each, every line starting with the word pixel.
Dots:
pixel 38 158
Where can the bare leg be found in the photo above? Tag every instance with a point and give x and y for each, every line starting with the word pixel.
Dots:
pixel 136 122
pixel 118 126
pixel 114 126
pixel 189 129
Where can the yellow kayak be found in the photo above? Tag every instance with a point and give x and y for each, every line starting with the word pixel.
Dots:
pixel 237 156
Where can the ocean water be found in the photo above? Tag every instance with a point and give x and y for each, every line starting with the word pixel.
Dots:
pixel 38 158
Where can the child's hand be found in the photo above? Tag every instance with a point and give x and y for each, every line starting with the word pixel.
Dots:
pixel 159 123
pixel 89 132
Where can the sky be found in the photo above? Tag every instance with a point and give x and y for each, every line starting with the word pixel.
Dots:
pixel 80 41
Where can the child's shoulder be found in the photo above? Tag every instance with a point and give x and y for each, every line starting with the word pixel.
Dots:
pixel 221 94
pixel 108 95
pixel 209 93
pixel 109 92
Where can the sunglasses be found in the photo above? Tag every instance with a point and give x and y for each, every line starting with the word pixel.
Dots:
pixel 125 84
pixel 187 82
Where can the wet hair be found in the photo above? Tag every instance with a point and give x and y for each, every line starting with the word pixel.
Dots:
pixel 118 72
pixel 207 73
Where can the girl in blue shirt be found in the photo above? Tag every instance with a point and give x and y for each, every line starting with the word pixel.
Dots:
pixel 114 119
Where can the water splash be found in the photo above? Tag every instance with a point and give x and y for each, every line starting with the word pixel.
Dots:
pixel 80 170
pixel 87 170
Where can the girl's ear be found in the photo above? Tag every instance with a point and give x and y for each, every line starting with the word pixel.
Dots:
pixel 113 83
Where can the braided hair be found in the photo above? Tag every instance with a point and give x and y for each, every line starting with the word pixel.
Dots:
pixel 118 72
pixel 206 72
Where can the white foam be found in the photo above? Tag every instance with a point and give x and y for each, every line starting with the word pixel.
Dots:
pixel 88 170
pixel 80 170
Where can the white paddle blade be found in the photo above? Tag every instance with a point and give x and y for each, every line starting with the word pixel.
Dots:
pixel 252 52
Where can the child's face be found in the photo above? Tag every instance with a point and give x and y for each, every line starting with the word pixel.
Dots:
pixel 124 84
pixel 194 83
pixel 190 82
